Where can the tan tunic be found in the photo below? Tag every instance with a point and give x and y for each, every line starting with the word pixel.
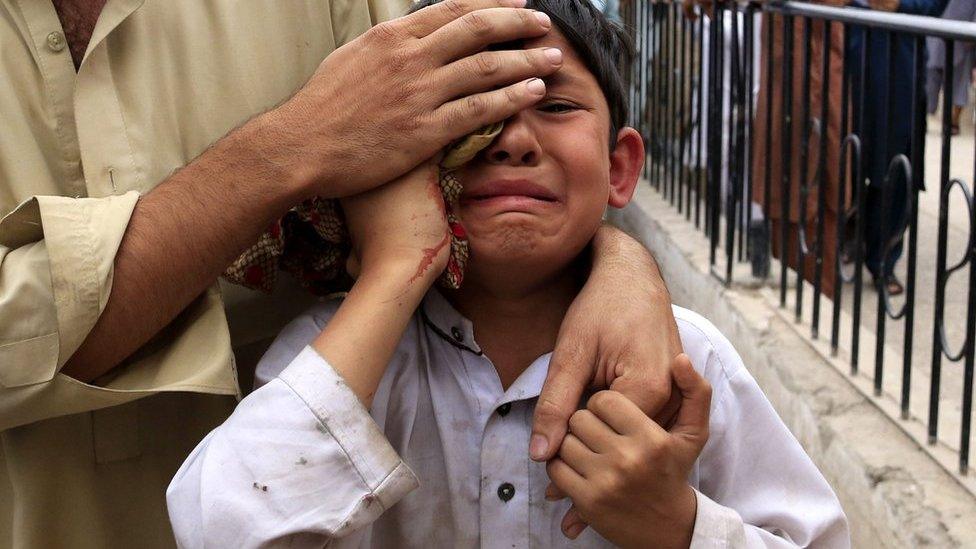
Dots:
pixel 87 465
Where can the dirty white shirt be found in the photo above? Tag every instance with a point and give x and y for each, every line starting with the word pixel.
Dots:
pixel 442 458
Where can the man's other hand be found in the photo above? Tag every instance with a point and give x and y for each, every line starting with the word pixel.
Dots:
pixel 394 96
pixel 619 333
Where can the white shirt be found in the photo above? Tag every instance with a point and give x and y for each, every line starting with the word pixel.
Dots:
pixel 442 458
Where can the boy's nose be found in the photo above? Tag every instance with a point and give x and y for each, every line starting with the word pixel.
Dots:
pixel 516 145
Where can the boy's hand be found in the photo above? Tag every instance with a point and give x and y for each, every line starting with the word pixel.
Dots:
pixel 400 227
pixel 626 475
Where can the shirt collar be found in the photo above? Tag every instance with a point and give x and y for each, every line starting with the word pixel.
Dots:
pixel 439 315
pixel 452 327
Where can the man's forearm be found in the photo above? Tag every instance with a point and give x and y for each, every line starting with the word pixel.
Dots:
pixel 613 249
pixel 182 235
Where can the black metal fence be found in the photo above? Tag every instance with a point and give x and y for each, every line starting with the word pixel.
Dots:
pixel 796 132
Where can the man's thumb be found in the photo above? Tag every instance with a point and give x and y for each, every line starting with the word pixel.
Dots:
pixel 696 398
pixel 570 372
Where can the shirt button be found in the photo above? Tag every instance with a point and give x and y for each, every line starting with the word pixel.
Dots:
pixel 504 409
pixel 456 334
pixel 56 41
pixel 506 491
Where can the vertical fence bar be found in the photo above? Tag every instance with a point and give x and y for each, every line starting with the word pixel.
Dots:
pixel 787 153
pixel 844 173
pixel 859 193
pixel 940 277
pixel 917 149
pixel 769 26
pixel 700 110
pixel 802 186
pixel 822 178
pixel 886 184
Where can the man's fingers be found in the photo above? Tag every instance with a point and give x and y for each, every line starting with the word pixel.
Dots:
pixel 696 398
pixel 573 524
pixel 465 115
pixel 618 412
pixel 490 69
pixel 479 29
pixel 427 20
pixel 570 371
pixel 648 387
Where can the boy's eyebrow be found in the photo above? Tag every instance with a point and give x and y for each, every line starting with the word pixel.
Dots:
pixel 560 78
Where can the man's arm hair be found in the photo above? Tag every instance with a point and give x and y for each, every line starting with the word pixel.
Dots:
pixel 181 237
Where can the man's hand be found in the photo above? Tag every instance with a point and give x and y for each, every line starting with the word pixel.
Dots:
pixel 619 333
pixel 402 223
pixel 406 88
pixel 626 475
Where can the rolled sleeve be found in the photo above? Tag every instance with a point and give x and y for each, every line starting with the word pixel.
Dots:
pixel 300 461
pixel 56 257
pixel 56 265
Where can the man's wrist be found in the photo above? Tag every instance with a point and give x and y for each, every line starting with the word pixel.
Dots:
pixel 271 141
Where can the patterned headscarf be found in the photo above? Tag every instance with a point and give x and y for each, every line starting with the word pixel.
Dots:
pixel 312 243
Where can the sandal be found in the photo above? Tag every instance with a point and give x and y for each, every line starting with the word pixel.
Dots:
pixel 892 285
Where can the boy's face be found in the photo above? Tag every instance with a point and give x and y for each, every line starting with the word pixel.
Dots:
pixel 535 197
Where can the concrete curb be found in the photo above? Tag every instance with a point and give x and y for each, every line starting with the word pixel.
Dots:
pixel 894 493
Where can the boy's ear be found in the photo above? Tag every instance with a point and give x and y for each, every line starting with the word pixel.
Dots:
pixel 626 161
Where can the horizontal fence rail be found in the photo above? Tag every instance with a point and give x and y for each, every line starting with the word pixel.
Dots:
pixel 794 136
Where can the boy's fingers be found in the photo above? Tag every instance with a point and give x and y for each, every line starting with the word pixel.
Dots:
pixel 618 412
pixel 592 431
pixel 490 69
pixel 427 20
pixel 553 493
pixel 475 31
pixel 570 372
pixel 577 455
pixel 564 477
pixel 696 398
pixel 573 524
pixel 467 114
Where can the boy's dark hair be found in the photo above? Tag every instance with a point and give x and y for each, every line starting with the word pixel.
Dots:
pixel 604 47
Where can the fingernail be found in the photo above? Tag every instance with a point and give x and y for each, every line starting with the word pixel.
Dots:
pixel 537 87
pixel 543 19
pixel 554 55
pixel 514 3
pixel 538 443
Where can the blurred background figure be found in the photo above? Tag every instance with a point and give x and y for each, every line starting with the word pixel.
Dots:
pixel 886 133
pixel 776 156
pixel 962 63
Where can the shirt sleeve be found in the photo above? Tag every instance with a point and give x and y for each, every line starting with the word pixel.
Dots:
pixel 299 462
pixel 762 489
pixel 56 264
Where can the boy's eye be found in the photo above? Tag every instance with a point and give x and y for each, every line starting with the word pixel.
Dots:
pixel 558 108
